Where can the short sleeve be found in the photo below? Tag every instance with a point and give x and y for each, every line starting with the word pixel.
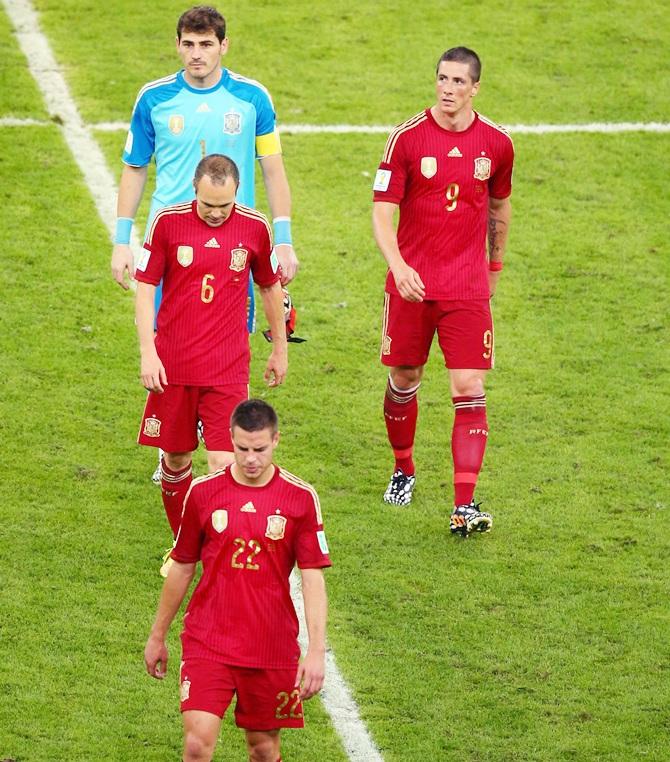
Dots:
pixel 152 263
pixel 190 536
pixel 267 136
pixel 500 184
pixel 391 177
pixel 141 138
pixel 264 263
pixel 311 544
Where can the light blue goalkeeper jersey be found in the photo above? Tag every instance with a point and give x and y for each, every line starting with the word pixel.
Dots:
pixel 180 124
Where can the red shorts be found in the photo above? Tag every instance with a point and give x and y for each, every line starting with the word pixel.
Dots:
pixel 464 330
pixel 266 698
pixel 170 419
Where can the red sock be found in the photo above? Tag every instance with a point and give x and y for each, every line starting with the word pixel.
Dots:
pixel 468 443
pixel 401 410
pixel 174 486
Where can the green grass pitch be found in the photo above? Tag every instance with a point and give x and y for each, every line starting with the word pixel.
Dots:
pixel 543 642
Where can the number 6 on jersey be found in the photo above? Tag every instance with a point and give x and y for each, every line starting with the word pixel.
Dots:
pixel 207 291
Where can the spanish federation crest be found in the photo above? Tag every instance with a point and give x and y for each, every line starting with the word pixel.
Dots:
pixel 220 520
pixel 238 259
pixel 482 168
pixel 276 527
pixel 176 124
pixel 232 123
pixel 185 255
pixel 428 166
pixel 386 345
pixel 184 690
pixel 152 427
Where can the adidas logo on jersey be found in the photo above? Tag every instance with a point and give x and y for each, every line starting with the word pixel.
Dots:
pixel 202 108
pixel 212 244
pixel 455 153
pixel 248 508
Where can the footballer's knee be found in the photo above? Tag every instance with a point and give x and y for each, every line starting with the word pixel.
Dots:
pixel 263 747
pixel 175 461
pixel 405 376
pixel 465 383
pixel 197 748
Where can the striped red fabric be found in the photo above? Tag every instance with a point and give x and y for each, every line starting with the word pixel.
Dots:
pixel 442 181
pixel 202 338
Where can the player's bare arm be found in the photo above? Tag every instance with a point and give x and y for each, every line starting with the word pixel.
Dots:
pixel 312 669
pixel 279 200
pixel 407 280
pixel 174 591
pixel 273 306
pixel 500 217
pixel 152 372
pixel 131 187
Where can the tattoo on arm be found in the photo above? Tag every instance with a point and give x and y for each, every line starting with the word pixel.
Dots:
pixel 493 235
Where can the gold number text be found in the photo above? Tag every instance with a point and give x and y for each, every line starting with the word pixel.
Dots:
pixel 488 344
pixel 254 550
pixel 241 545
pixel 283 698
pixel 207 291
pixel 452 196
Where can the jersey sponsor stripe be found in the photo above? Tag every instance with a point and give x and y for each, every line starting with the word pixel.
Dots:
pixel 497 127
pixel 292 479
pixel 385 321
pixel 241 78
pixel 196 481
pixel 156 83
pixel 184 208
pixel 393 137
pixel 247 211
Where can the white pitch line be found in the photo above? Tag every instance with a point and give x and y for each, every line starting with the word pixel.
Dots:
pixel 64 112
pixel 369 129
pixel 518 129
pixel 336 696
pixel 11 121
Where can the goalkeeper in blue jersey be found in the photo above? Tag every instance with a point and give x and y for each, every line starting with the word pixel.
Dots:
pixel 202 109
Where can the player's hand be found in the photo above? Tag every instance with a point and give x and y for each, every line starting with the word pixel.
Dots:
pixel 277 367
pixel 494 277
pixel 156 657
pixel 152 373
pixel 122 263
pixel 409 284
pixel 311 673
pixel 288 262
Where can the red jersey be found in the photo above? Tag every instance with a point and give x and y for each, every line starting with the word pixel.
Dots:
pixel 201 338
pixel 248 539
pixel 442 181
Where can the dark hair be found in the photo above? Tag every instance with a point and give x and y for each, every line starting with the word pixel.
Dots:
pixel 466 56
pixel 254 415
pixel 218 168
pixel 202 19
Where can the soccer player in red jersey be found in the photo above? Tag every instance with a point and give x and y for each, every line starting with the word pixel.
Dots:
pixel 197 366
pixel 249 524
pixel 449 171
